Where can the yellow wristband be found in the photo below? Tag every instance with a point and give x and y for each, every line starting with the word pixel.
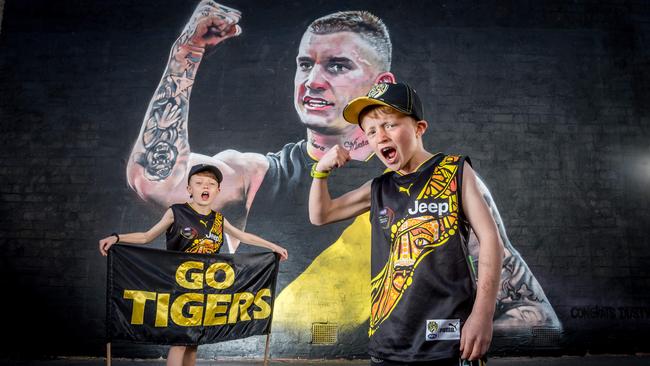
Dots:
pixel 318 175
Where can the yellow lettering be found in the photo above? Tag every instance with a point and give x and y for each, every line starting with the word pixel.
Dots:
pixel 162 310
pixel 211 273
pixel 241 301
pixel 139 300
pixel 264 307
pixel 195 311
pixel 196 281
pixel 212 309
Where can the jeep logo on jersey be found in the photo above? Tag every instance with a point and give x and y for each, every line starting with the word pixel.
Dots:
pixel 441 208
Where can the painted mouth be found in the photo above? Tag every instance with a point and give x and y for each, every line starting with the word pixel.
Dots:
pixel 316 103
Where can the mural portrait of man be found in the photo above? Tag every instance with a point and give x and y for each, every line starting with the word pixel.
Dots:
pixel 340 56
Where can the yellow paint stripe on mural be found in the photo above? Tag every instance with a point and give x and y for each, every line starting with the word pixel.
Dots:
pixel 335 288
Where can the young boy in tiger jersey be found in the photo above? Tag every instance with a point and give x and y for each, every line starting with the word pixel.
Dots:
pixel 426 306
pixel 195 228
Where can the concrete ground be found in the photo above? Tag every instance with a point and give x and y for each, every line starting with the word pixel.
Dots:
pixel 591 360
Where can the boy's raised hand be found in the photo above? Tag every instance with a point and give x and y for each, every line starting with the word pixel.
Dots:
pixel 336 157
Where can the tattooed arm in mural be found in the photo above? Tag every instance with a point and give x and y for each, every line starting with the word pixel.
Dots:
pixel 158 164
pixel 521 302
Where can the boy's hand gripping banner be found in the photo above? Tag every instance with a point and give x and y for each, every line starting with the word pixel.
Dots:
pixel 163 297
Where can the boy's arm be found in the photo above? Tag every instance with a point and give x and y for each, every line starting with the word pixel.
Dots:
pixel 253 239
pixel 477 332
pixel 322 208
pixel 138 238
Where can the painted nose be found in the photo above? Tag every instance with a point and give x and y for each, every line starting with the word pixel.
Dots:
pixel 316 79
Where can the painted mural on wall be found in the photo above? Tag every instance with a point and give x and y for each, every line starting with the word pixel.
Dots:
pixel 327 281
pixel 547 98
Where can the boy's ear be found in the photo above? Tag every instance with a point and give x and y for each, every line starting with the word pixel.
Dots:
pixel 421 127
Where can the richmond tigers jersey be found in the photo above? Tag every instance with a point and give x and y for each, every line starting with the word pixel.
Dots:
pixel 422 287
pixel 195 233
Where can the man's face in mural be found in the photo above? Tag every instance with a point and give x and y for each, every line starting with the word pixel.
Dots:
pixel 332 69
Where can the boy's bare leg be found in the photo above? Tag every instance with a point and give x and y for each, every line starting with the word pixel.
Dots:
pixel 181 356
pixel 189 358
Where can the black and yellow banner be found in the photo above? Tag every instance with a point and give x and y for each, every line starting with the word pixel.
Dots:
pixel 163 297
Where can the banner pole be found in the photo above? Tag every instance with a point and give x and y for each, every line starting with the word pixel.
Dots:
pixel 266 350
pixel 108 354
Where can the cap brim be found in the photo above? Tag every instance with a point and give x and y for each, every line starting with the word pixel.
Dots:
pixel 353 109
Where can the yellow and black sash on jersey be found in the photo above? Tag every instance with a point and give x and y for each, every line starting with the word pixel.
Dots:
pixel 422 288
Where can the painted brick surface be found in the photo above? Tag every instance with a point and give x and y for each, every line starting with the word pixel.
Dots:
pixel 549 99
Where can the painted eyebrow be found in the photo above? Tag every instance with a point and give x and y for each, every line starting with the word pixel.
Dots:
pixel 344 60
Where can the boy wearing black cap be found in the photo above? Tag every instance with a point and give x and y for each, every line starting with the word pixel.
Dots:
pixel 425 302
pixel 195 228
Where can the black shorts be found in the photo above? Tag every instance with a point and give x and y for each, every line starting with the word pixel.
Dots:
pixel 374 361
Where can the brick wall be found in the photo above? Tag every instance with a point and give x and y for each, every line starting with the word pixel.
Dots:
pixel 550 99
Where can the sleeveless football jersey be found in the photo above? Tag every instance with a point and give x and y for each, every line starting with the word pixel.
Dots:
pixel 422 283
pixel 195 233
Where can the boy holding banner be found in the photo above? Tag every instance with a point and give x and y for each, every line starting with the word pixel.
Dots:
pixel 195 228
pixel 425 305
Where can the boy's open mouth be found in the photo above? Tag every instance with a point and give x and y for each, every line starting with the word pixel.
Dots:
pixel 389 153
pixel 205 195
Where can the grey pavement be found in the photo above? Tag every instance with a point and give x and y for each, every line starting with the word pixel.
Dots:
pixel 591 360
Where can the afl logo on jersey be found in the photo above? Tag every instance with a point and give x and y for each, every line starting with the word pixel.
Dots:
pixel 385 217
pixel 189 233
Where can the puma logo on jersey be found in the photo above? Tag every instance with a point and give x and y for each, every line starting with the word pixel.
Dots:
pixel 441 208
pixel 205 223
pixel 407 190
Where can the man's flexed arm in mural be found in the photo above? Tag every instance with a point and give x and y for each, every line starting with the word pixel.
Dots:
pixel 161 155
pixel 521 302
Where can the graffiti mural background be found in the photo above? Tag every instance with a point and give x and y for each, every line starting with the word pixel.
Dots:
pixel 103 104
